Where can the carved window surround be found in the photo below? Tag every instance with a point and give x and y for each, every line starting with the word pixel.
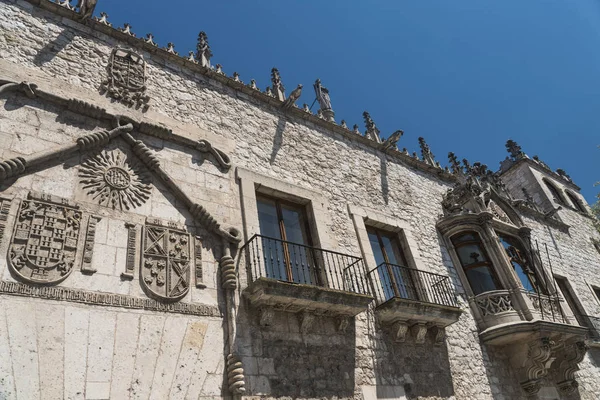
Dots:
pixel 405 313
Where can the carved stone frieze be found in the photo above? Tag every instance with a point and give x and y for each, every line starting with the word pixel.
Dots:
pixel 131 251
pixel 199 275
pixel 112 180
pixel 88 249
pixel 165 266
pixel 43 247
pixel 105 299
pixel 126 80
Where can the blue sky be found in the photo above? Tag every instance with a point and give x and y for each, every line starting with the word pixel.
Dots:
pixel 467 75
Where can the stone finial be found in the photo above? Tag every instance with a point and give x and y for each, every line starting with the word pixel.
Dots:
pixel 268 91
pixel 127 29
pixel 236 77
pixel 563 174
pixel 150 39
pixel 66 4
pixel 320 114
pixel 355 129
pixel 171 48
pixel 192 57
pixel 343 124
pixel 278 88
pixel 86 8
pixel 467 166
pixel 426 153
pixel 203 52
pixel 324 101
pixel 372 131
pixel 392 141
pixel 219 69
pixel 103 19
pixel 455 166
pixel 305 108
pixel 253 84
pixel 514 149
pixel 540 162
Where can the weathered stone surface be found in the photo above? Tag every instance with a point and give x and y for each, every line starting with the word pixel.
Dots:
pixel 118 343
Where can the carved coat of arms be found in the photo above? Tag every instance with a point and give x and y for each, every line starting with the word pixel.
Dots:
pixel 126 78
pixel 165 269
pixel 44 242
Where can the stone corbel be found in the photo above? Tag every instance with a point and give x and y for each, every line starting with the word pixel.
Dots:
pixel 533 361
pixel 306 320
pixel 265 316
pixel 419 332
pixel 440 335
pixel 571 356
pixel 342 323
pixel 400 329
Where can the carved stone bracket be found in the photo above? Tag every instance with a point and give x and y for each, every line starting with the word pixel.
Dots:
pixel 343 323
pixel 572 355
pixel 419 332
pixel 266 316
pixel 306 320
pixel 400 329
pixel 439 335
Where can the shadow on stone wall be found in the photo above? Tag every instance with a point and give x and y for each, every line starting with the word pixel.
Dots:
pixel 422 369
pixel 283 361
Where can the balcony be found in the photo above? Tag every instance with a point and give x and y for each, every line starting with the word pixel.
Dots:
pixel 410 299
pixel 292 277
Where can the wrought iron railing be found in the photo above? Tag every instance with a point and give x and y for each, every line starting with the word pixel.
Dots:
pixel 592 323
pixel 395 281
pixel 548 306
pixel 292 262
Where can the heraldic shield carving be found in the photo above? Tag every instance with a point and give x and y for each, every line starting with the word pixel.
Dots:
pixel 165 269
pixel 126 78
pixel 44 242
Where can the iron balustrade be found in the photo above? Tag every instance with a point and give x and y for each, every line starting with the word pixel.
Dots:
pixel 395 281
pixel 297 263
pixel 548 306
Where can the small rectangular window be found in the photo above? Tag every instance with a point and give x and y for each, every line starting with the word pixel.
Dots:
pixel 569 296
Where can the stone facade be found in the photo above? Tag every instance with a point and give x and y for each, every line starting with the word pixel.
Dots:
pixel 129 178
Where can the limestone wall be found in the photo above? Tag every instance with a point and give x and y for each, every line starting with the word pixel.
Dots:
pixel 81 349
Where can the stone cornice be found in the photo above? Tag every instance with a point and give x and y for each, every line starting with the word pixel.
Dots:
pixel 240 87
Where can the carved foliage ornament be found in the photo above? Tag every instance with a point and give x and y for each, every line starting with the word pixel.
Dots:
pixel 44 242
pixel 113 181
pixel 165 269
pixel 126 78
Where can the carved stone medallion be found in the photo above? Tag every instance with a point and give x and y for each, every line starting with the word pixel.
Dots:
pixel 44 242
pixel 165 269
pixel 126 78
pixel 113 181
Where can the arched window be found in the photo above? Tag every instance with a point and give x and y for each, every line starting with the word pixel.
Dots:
pixel 475 262
pixel 576 202
pixel 521 263
pixel 558 197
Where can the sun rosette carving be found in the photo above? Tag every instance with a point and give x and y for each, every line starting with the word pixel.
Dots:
pixel 43 247
pixel 165 269
pixel 112 180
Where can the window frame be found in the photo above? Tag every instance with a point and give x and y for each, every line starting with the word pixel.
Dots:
pixel 556 192
pixel 529 259
pixel 489 263
pixel 577 204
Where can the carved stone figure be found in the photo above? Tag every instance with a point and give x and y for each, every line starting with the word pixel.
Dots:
pixel 295 95
pixel 324 101
pixel 111 180
pixel 44 243
pixel 165 269
pixel 392 141
pixel 278 88
pixel 203 52
pixel 126 78
pixel 86 8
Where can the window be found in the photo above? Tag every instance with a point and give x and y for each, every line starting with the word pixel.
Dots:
pixel 521 264
pixel 567 293
pixel 555 192
pixel 576 202
pixel 395 277
pixel 478 269
pixel 596 292
pixel 286 240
